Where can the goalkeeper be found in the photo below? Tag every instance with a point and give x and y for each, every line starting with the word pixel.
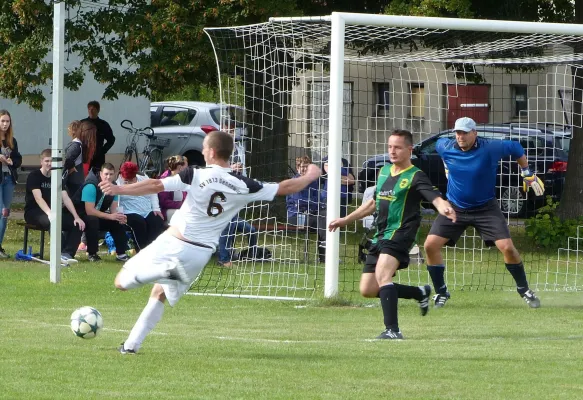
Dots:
pixel 471 163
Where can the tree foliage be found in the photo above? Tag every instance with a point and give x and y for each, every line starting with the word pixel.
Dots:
pixel 140 47
pixel 134 47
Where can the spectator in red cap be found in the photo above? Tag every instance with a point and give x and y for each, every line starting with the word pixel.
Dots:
pixel 143 212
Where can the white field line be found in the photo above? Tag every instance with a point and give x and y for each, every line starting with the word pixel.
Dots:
pixel 291 341
pixel 44 324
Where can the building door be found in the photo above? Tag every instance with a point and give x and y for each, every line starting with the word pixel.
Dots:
pixel 468 101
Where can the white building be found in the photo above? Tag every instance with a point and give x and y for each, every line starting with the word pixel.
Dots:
pixel 32 129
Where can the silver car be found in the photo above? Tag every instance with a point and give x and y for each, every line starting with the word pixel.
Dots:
pixel 186 123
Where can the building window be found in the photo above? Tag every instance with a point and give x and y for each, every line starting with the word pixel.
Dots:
pixel 417 91
pixel 519 100
pixel 383 97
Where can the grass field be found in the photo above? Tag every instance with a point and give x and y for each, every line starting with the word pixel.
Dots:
pixel 484 345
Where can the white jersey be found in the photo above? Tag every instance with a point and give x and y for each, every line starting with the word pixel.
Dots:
pixel 214 196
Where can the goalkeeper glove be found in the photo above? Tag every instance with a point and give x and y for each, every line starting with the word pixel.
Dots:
pixel 530 180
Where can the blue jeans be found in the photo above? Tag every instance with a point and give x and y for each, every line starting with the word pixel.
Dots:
pixel 237 225
pixel 6 193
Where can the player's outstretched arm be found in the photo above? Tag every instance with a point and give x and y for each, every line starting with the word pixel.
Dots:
pixel 364 210
pixel 148 186
pixel 444 208
pixel 295 185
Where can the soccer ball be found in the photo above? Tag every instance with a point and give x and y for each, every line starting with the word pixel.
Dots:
pixel 86 322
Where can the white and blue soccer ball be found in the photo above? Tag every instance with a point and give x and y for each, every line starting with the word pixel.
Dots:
pixel 86 322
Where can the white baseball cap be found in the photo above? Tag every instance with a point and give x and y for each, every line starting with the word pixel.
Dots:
pixel 464 124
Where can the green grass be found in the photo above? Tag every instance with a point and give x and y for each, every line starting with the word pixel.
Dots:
pixel 486 344
pixel 483 345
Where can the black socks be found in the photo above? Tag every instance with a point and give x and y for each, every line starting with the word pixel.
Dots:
pixel 408 292
pixel 519 275
pixel 437 273
pixel 389 302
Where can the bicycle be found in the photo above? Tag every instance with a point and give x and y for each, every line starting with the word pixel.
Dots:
pixel 151 161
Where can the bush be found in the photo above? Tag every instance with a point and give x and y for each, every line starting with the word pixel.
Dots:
pixel 549 231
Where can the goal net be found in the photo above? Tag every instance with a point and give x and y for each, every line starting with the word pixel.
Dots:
pixel 333 88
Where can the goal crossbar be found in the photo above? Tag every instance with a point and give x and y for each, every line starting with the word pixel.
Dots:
pixel 460 24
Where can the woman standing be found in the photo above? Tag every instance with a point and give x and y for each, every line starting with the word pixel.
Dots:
pixel 80 150
pixel 10 159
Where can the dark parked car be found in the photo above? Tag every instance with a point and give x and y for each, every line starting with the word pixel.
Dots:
pixel 561 133
pixel 549 162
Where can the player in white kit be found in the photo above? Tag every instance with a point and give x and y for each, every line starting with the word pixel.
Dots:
pixel 215 194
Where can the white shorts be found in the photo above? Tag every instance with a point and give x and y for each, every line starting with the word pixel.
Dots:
pixel 169 248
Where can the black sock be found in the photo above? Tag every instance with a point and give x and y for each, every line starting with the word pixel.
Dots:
pixel 408 292
pixel 321 251
pixel 437 273
pixel 519 275
pixel 389 302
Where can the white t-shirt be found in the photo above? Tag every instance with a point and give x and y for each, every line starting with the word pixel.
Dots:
pixel 368 194
pixel 214 196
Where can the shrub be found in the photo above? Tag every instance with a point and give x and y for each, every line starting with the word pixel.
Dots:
pixel 549 231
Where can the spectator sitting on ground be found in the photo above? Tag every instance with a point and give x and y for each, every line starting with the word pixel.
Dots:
pixel 95 206
pixel 227 240
pixel 171 201
pixel 143 212
pixel 37 208
pixel 304 208
pixel 225 251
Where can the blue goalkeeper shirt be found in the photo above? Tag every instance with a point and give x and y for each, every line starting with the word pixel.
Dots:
pixel 473 173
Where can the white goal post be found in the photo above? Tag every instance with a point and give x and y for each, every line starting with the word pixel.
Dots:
pixel 337 85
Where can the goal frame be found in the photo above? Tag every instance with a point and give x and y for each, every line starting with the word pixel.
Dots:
pixel 338 21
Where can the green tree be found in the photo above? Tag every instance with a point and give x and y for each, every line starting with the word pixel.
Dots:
pixel 571 206
pixel 134 47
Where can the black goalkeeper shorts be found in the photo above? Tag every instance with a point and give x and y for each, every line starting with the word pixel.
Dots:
pixel 394 249
pixel 487 219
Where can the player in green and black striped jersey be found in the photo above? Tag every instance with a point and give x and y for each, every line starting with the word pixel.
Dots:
pixel 400 189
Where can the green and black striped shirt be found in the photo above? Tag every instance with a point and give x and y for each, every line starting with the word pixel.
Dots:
pixel 398 203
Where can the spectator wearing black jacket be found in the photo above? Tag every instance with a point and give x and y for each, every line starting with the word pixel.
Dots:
pixel 79 151
pixel 104 137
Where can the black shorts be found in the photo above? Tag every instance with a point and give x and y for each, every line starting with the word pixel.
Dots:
pixel 487 219
pixel 394 249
